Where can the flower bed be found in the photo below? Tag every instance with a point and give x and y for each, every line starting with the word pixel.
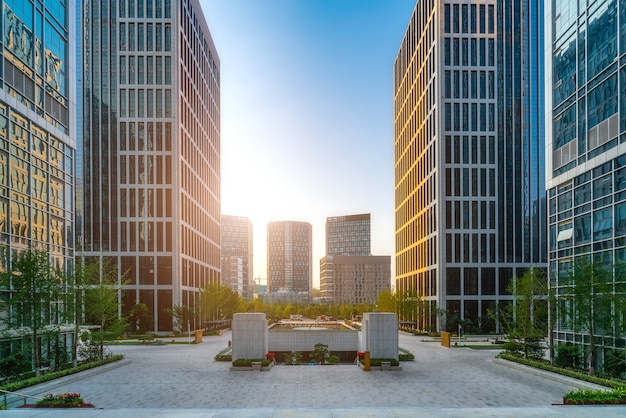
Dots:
pixel 62 400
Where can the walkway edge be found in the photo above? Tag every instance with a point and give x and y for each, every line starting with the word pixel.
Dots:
pixel 580 384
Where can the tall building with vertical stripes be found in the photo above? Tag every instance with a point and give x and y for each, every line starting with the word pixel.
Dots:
pixel 151 151
pixel 468 156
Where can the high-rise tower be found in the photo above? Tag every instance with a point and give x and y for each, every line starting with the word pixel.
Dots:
pixel 237 254
pixel 37 130
pixel 348 235
pixel 151 150
pixel 469 188
pixel 289 256
pixel 348 272
pixel 585 47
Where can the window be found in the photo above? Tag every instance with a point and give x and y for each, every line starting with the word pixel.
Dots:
pixel 602 224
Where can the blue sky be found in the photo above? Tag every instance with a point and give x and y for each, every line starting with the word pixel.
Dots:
pixel 307 113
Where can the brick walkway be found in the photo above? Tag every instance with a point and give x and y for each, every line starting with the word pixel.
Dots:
pixel 176 379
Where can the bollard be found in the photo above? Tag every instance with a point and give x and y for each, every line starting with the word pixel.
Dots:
pixel 366 361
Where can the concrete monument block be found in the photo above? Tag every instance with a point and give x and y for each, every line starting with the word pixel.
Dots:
pixel 249 333
pixel 379 334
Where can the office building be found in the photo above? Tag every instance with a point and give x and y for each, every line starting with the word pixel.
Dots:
pixel 348 235
pixel 37 147
pixel 237 254
pixel 151 151
pixel 468 155
pixel 585 49
pixel 348 272
pixel 354 280
pixel 289 257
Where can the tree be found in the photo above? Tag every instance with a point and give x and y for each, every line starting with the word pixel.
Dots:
pixel 411 308
pixel 386 301
pixel 137 316
pixel 78 281
pixel 102 306
pixel 526 319
pixel 218 302
pixel 590 300
pixel 182 315
pixel 320 353
pixel 32 287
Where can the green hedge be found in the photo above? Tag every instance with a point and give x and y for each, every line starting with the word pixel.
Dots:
pixel 31 381
pixel 224 355
pixel 544 365
pixel 376 361
pixel 245 362
pixel 582 396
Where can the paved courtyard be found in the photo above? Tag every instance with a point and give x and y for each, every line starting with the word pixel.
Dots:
pixel 185 378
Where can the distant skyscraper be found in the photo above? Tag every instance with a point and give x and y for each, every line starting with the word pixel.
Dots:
pixel 469 154
pixel 586 151
pixel 348 235
pixel 151 150
pixel 354 279
pixel 237 254
pixel 37 130
pixel 289 257
pixel 348 272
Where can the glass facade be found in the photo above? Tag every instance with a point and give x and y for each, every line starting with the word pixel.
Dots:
pixel 470 201
pixel 237 254
pixel 289 257
pixel 37 147
pixel 151 150
pixel 586 84
pixel 348 272
pixel 348 235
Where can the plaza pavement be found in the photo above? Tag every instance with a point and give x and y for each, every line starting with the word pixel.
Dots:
pixel 183 380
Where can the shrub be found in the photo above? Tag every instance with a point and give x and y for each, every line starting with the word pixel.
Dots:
pixel 63 399
pixel 405 355
pixel 224 355
pixel 378 361
pixel 545 365
pixel 333 359
pixel 615 363
pixel 244 362
pixel 587 395
pixel 294 357
pixel 568 355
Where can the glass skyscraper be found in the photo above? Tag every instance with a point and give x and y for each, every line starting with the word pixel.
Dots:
pixel 468 156
pixel 348 235
pixel 289 257
pixel 151 151
pixel 585 46
pixel 237 254
pixel 37 129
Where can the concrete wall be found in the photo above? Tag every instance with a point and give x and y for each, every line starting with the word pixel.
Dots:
pixel 379 334
pixel 249 333
pixel 305 339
